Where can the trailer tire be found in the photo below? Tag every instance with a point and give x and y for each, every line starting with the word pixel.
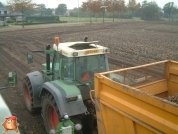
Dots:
pixel 50 112
pixel 28 96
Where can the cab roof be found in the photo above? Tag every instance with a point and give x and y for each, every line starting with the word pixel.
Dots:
pixel 80 48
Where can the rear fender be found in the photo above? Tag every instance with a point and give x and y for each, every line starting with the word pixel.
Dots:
pixel 36 81
pixel 71 108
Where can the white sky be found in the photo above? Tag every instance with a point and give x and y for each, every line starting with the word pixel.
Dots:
pixel 74 3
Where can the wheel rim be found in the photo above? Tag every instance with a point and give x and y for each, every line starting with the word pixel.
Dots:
pixel 27 96
pixel 53 117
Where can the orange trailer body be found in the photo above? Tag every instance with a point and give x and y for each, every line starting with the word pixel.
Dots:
pixel 137 105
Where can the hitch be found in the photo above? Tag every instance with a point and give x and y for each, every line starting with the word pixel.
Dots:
pixel 66 126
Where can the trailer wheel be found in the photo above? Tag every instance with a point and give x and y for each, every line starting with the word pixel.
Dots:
pixel 28 95
pixel 50 112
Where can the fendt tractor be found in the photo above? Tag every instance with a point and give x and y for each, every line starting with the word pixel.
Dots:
pixel 62 89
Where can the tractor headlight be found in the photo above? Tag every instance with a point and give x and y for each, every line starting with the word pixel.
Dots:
pixel 78 127
pixel 66 116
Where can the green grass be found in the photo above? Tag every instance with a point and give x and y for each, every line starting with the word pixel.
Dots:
pixel 87 19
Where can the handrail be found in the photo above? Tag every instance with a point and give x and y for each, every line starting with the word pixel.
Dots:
pixel 136 67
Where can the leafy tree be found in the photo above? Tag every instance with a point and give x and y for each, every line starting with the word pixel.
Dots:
pixel 61 9
pixel 133 6
pixel 74 12
pixel 1 5
pixel 110 6
pixel 150 11
pixel 169 8
pixel 20 5
pixel 41 8
pixel 93 6
pixel 85 6
pixel 49 11
pixel 116 6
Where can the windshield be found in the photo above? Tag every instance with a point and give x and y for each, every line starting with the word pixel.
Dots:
pixel 88 65
pixel 84 68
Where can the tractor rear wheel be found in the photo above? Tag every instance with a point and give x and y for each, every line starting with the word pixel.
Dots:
pixel 28 95
pixel 50 112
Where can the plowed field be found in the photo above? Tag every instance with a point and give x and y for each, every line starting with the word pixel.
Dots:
pixel 133 42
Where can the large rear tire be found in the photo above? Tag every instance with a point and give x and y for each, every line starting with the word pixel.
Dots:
pixel 28 95
pixel 50 112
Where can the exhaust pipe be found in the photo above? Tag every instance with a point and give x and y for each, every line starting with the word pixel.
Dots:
pixel 48 58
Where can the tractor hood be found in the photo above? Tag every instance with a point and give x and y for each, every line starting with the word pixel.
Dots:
pixel 69 89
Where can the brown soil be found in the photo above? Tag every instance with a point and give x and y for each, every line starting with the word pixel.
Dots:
pixel 173 98
pixel 135 42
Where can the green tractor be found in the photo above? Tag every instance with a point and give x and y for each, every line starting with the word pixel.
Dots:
pixel 62 88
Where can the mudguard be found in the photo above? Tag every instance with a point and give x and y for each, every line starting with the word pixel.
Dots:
pixel 59 94
pixel 36 80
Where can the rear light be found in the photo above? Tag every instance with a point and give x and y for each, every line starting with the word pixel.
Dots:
pixel 56 41
pixel 73 98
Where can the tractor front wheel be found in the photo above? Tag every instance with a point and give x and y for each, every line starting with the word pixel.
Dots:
pixel 50 113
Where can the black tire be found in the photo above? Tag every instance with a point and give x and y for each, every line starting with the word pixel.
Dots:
pixel 28 96
pixel 50 112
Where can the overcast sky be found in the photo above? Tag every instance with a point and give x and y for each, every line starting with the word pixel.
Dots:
pixel 74 3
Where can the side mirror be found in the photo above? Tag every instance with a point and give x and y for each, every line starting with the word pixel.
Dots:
pixel 29 58
pixel 12 79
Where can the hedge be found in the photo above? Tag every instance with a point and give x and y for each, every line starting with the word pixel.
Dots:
pixel 42 18
pixel 36 23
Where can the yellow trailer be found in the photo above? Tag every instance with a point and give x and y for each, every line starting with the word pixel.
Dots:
pixel 138 100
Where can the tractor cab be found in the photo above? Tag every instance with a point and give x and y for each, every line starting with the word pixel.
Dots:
pixel 76 62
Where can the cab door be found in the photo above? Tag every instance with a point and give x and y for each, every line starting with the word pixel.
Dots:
pixel 56 66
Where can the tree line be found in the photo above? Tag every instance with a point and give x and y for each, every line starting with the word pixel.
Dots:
pixel 111 8
pixel 146 10
pixel 28 7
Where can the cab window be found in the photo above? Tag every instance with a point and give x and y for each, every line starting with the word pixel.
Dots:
pixel 67 73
